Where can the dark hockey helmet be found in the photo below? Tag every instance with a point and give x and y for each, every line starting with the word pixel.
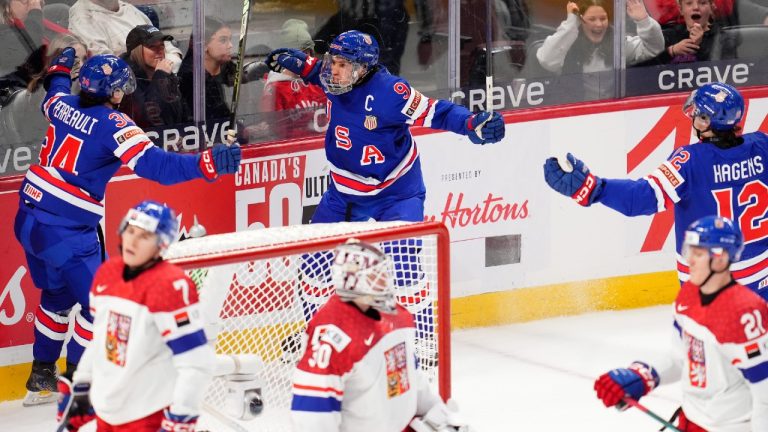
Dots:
pixel 102 74
pixel 358 48
pixel 362 272
pixel 722 103
pixel 717 234
pixel 155 218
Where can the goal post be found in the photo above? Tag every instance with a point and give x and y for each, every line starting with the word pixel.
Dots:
pixel 258 288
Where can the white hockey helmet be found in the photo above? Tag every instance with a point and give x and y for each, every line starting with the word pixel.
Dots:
pixel 362 272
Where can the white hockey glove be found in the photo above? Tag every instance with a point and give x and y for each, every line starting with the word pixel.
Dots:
pixel 441 418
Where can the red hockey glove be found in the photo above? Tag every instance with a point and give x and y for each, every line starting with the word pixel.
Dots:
pixel 635 381
pixel 74 407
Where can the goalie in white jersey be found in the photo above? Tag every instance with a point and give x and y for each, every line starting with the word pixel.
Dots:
pixel 359 370
pixel 149 363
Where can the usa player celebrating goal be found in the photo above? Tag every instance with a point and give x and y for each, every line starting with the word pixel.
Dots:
pixel 374 160
pixel 359 372
pixel 720 353
pixel 725 174
pixel 375 167
pixel 60 206
pixel 149 364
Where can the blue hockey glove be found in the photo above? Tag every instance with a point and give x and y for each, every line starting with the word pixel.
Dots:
pixel 575 181
pixel 295 61
pixel 74 407
pixel 485 128
pixel 177 423
pixel 635 381
pixel 61 65
pixel 221 159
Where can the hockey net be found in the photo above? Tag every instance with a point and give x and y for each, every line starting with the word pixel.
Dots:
pixel 258 288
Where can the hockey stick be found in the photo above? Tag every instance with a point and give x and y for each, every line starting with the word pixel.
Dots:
pixel 245 17
pixel 488 55
pixel 633 403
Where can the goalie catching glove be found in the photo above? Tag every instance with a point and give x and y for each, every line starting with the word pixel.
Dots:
pixel 294 60
pixel 577 183
pixel 221 159
pixel 485 128
pixel 440 418
pixel 74 407
pixel 635 381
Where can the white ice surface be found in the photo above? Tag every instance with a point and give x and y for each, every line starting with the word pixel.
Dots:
pixel 535 376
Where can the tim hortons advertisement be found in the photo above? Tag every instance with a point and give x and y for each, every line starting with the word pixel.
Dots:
pixel 508 229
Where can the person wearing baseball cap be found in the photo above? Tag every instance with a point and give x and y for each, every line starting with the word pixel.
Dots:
pixel 157 99
pixel 146 35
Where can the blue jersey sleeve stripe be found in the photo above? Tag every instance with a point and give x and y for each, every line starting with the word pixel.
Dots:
pixel 315 404
pixel 187 342
pixel 756 373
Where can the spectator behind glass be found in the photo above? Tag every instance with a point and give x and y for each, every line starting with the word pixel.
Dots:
pixel 726 12
pixel 104 26
pixel 21 32
pixel 698 38
pixel 286 91
pixel 583 43
pixel 219 70
pixel 156 102
pixel 21 122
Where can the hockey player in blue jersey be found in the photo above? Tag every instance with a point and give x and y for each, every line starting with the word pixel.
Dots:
pixel 374 160
pixel 61 197
pixel 375 169
pixel 724 174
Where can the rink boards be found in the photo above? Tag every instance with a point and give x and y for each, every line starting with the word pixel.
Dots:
pixel 519 251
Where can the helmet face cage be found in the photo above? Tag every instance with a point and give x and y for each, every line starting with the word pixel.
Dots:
pixel 155 218
pixel 356 47
pixel 344 84
pixel 720 103
pixel 362 272
pixel 716 234
pixel 104 74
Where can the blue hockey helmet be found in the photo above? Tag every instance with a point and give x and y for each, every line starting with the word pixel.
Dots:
pixel 102 74
pixel 358 48
pixel 717 234
pixel 722 103
pixel 155 218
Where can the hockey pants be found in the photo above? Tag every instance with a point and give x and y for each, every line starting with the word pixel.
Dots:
pixel 62 261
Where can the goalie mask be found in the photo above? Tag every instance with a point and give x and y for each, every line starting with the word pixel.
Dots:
pixel 362 273
pixel 350 56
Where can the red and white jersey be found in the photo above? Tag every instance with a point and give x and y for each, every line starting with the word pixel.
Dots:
pixel 722 348
pixel 302 101
pixel 149 350
pixel 359 373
